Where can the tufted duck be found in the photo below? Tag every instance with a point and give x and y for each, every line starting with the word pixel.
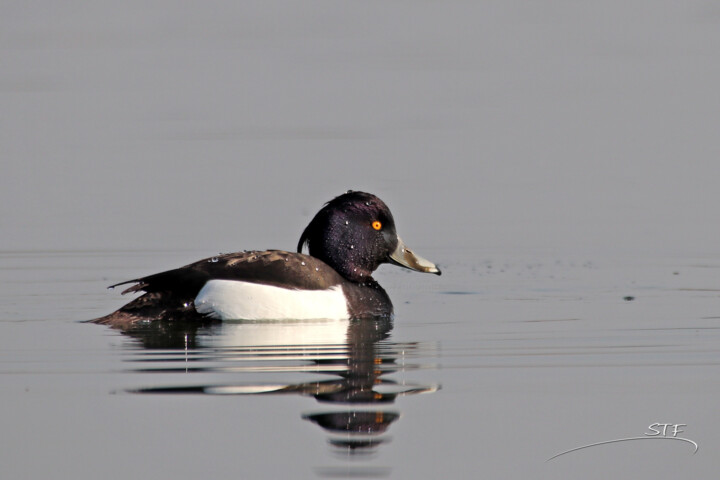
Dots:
pixel 347 240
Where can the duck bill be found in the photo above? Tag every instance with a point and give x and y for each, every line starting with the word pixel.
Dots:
pixel 405 257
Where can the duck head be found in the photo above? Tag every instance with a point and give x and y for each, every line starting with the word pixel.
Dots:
pixel 355 233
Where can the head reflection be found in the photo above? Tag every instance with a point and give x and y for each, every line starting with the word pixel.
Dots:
pixel 356 355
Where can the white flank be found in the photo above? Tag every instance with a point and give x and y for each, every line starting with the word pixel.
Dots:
pixel 232 300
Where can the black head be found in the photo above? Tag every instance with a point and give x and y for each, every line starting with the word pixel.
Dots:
pixel 354 233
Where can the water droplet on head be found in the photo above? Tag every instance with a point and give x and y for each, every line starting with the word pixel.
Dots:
pixel 352 247
pixel 347 223
pixel 317 269
pixel 302 263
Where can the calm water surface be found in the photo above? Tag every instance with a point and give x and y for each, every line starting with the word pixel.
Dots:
pixel 558 160
pixel 504 364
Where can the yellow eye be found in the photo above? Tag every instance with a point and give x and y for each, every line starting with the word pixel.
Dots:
pixel 377 225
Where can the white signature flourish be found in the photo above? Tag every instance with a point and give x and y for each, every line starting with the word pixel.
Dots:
pixel 656 435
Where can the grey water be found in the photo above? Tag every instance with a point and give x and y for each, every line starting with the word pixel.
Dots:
pixel 558 160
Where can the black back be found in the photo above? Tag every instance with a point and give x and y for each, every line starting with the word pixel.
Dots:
pixel 271 267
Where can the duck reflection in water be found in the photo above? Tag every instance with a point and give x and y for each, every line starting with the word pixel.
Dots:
pixel 356 353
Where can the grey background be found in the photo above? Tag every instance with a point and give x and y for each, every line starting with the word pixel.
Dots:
pixel 533 124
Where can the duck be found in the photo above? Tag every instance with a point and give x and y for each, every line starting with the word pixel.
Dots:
pixel 346 241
